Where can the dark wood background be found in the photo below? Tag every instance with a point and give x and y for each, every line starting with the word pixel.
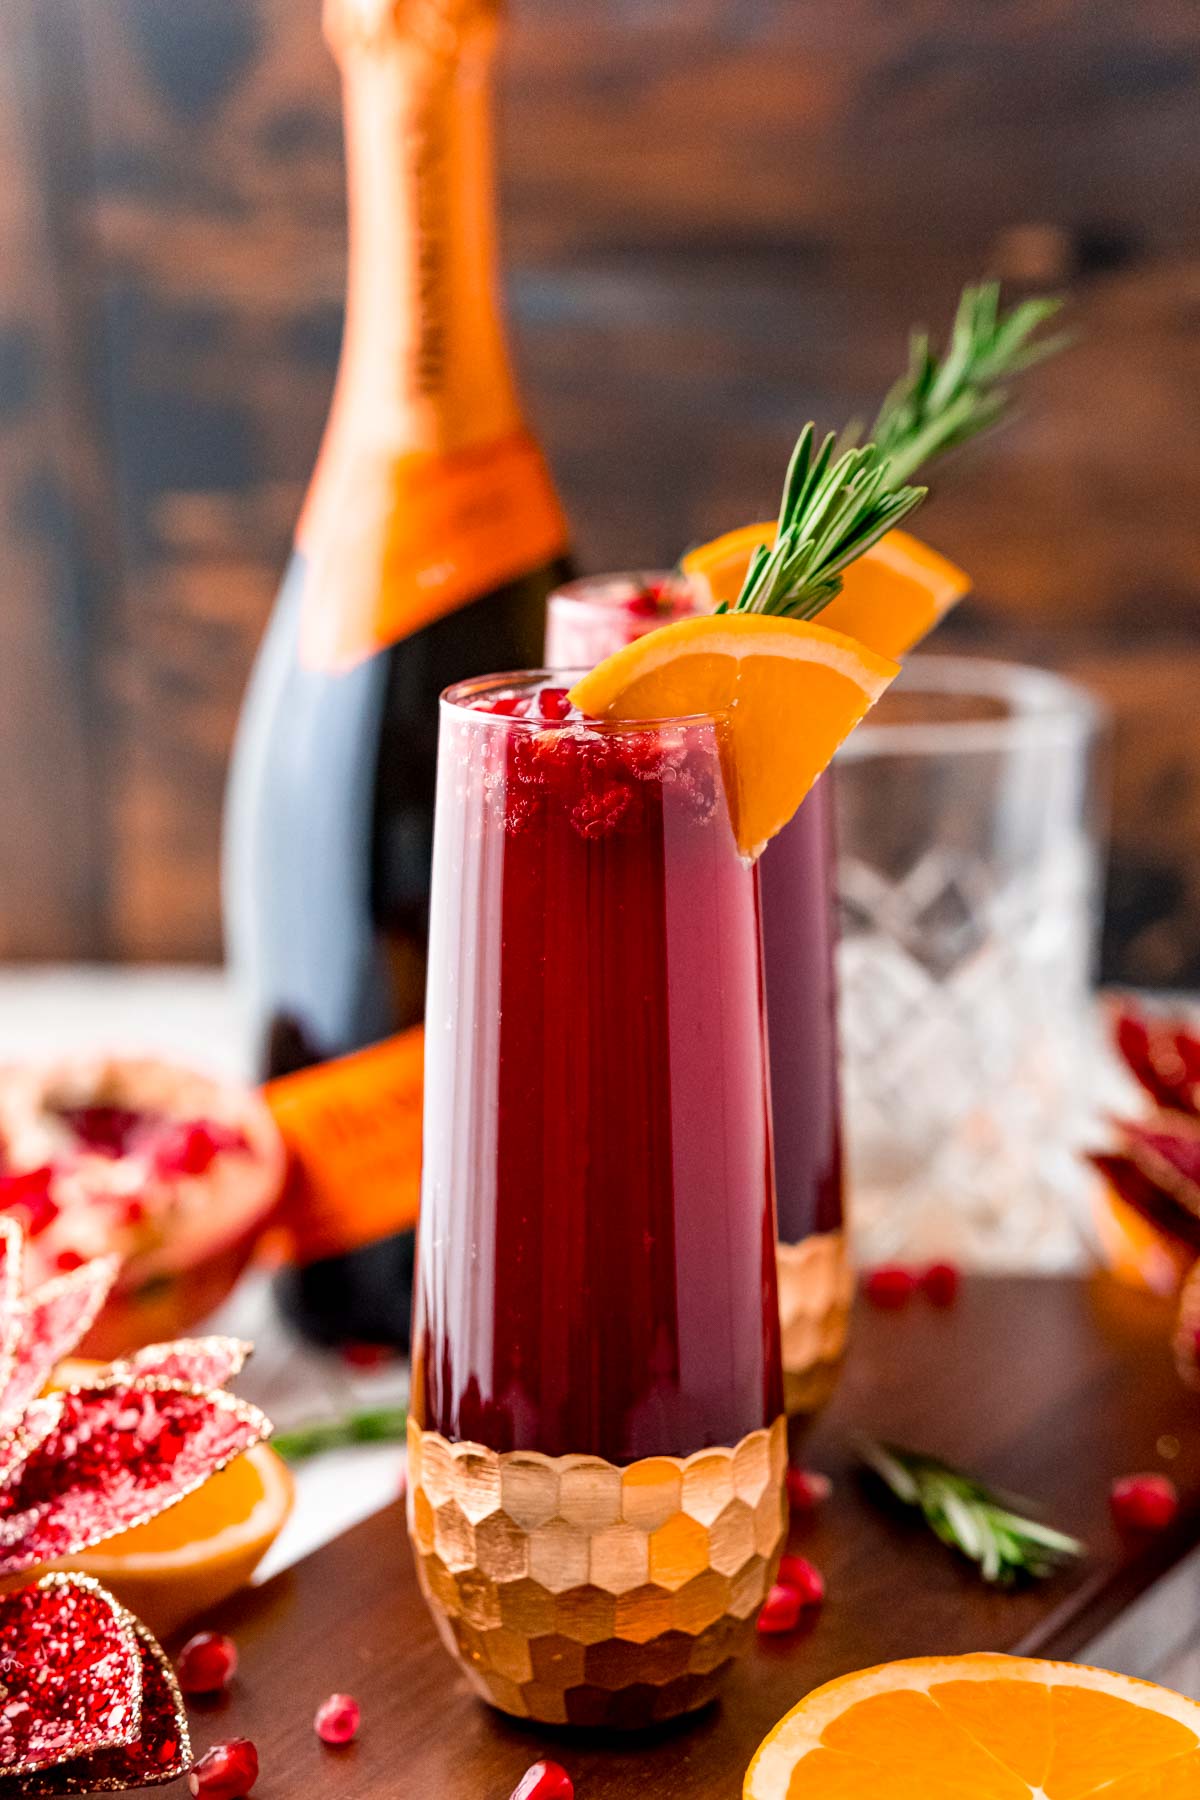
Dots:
pixel 721 216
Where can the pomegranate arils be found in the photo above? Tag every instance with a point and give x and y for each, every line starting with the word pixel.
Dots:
pixel 544 1781
pixel 803 1578
pixel 940 1283
pixel 807 1490
pixel 780 1611
pixel 1144 1502
pixel 552 703
pixel 28 1196
pixel 226 1772
pixel 890 1287
pixel 106 1130
pixel 207 1663
pixel 337 1719
pixel 67 1261
pixel 191 1146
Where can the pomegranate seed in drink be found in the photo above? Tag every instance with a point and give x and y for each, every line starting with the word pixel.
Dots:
pixel 803 1578
pixel 553 703
pixel 544 1781
pixel 890 1287
pixel 780 1611
pixel 337 1719
pixel 226 1772
pixel 207 1663
pixel 1144 1502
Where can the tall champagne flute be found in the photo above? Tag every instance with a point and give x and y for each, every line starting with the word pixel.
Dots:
pixel 597 1447
pixel 587 620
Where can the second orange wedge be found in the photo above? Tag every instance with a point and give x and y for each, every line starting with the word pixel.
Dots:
pixel 787 693
pixel 892 596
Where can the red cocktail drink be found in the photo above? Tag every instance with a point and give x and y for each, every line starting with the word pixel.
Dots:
pixel 588 620
pixel 596 1295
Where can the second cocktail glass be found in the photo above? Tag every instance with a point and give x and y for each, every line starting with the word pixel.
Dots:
pixel 597 1448
pixel 586 621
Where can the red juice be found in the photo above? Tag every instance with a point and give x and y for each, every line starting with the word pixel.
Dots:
pixel 596 1268
pixel 588 620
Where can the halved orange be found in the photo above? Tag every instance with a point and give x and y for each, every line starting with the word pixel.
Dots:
pixel 993 1727
pixel 187 1559
pixel 200 1550
pixel 1134 1251
pixel 787 693
pixel 891 597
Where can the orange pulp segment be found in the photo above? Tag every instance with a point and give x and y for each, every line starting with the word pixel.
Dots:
pixel 185 1560
pixel 891 597
pixel 786 693
pixel 994 1727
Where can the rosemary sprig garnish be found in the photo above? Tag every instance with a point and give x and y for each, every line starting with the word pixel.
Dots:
pixel 975 1520
pixel 840 499
pixel 940 402
pixel 834 507
pixel 378 1425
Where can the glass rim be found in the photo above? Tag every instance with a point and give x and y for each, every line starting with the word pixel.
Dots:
pixel 607 590
pixel 458 698
pixel 1044 708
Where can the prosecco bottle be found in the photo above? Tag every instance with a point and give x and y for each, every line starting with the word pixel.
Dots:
pixel 429 541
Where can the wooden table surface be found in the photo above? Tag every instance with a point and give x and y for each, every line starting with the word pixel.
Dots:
pixel 1051 1388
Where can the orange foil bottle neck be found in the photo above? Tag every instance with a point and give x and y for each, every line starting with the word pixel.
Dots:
pixel 428 489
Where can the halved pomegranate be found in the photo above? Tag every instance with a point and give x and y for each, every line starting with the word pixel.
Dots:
pixel 174 1171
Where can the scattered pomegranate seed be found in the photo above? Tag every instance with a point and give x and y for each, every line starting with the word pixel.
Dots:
pixel 890 1287
pixel 226 1772
pixel 337 1719
pixel 207 1663
pixel 940 1282
pixel 544 1781
pixel 807 1490
pixel 66 1260
pixel 802 1578
pixel 366 1356
pixel 553 703
pixel 1144 1502
pixel 648 600
pixel 509 706
pixel 780 1611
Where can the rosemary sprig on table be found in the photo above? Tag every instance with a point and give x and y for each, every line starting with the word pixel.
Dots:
pixel 978 1522
pixel 840 499
pixel 377 1425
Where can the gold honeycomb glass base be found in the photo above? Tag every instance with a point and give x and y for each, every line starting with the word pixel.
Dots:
pixel 816 1288
pixel 577 1592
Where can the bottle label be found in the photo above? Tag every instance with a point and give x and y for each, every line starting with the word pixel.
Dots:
pixel 404 540
pixel 352 1128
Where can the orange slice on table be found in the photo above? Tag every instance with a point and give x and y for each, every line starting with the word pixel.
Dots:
pixel 787 693
pixel 993 1727
pixel 892 595
pixel 199 1551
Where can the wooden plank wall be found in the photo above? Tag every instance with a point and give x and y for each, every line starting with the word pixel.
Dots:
pixel 721 216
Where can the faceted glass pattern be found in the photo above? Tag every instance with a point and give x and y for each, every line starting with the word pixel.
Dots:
pixel 968 889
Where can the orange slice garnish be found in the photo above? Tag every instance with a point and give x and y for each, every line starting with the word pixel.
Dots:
pixel 787 693
pixel 994 1727
pixel 892 595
